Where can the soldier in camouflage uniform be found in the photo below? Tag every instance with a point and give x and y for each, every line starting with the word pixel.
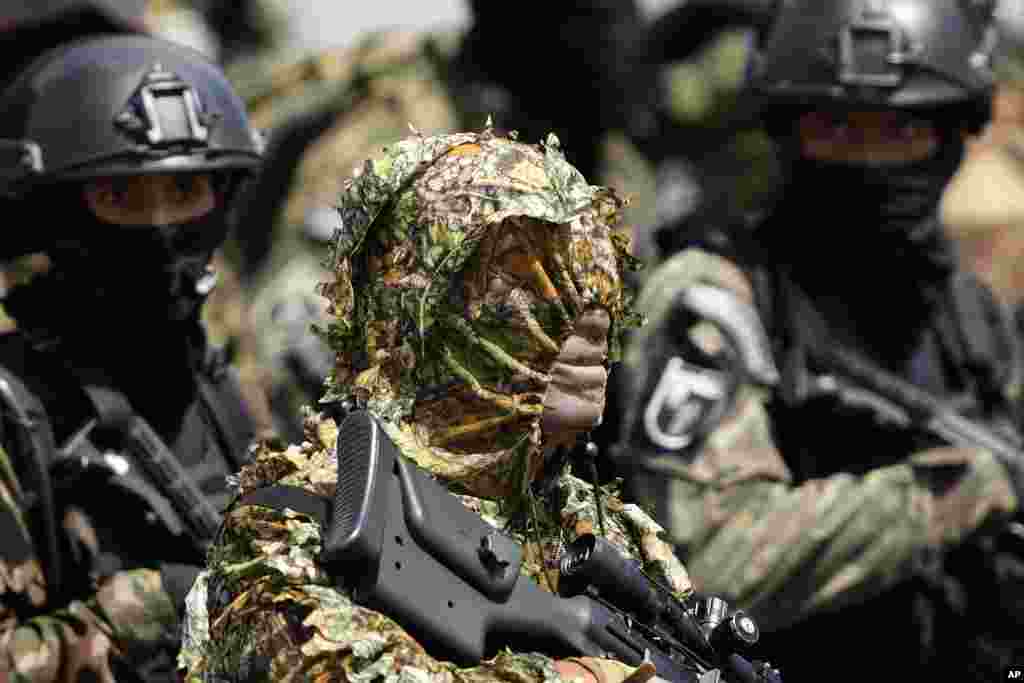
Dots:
pixel 477 294
pixel 129 616
pixel 43 635
pixel 848 533
pixel 120 421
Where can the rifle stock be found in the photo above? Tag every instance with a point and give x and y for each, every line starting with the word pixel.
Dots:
pixel 408 548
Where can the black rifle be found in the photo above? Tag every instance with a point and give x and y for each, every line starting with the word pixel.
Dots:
pixel 855 380
pixel 408 548
pixel 170 491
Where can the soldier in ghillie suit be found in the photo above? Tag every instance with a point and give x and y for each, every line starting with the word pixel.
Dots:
pixel 477 297
pixel 361 97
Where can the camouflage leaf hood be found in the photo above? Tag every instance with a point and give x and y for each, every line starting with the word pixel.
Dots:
pixel 443 339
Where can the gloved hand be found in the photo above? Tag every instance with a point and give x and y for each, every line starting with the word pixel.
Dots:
pixel 599 670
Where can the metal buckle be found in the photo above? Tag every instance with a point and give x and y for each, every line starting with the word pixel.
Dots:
pixel 171 113
pixel 19 159
pixel 853 70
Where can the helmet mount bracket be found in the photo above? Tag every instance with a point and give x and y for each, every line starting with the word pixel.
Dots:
pixel 871 53
pixel 165 112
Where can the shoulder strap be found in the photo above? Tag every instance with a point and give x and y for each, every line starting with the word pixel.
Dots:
pixel 221 395
pixel 157 460
pixel 280 496
pixel 977 325
pixel 36 451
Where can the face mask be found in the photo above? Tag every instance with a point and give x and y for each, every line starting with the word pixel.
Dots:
pixel 159 272
pixel 866 214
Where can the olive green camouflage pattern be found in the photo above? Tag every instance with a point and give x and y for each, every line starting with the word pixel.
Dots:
pixel 1008 56
pixel 264 597
pixel 784 551
pixel 128 617
pixel 445 206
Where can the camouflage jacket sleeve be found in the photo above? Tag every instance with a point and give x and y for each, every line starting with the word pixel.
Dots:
pixel 125 618
pixel 266 611
pixel 747 532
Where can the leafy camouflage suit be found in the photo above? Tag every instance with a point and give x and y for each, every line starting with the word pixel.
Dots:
pixel 129 614
pixel 468 267
pixel 408 82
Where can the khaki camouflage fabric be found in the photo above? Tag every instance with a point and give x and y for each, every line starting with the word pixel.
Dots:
pixel 265 610
pixel 465 264
pixel 474 257
pixel 785 551
pixel 983 205
pixel 128 617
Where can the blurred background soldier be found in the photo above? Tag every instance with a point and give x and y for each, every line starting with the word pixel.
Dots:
pixel 793 479
pixel 226 31
pixel 983 206
pixel 715 163
pixel 121 420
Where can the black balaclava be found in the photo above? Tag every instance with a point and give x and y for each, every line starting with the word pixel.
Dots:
pixel 124 299
pixel 863 242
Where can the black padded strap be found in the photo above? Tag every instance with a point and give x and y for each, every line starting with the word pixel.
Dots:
pixel 221 394
pixel 37 452
pixel 281 496
pixel 111 406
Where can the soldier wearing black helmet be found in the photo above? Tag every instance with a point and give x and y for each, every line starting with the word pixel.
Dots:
pixel 777 415
pixel 120 422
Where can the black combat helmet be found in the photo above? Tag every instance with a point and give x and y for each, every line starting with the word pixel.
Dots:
pixel 890 54
pixel 120 105
pixel 915 55
pixel 123 105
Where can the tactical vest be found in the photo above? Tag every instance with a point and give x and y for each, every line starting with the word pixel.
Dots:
pixel 82 461
pixel 967 355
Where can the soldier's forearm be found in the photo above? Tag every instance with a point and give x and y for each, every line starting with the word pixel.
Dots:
pixel 786 552
pixel 128 618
